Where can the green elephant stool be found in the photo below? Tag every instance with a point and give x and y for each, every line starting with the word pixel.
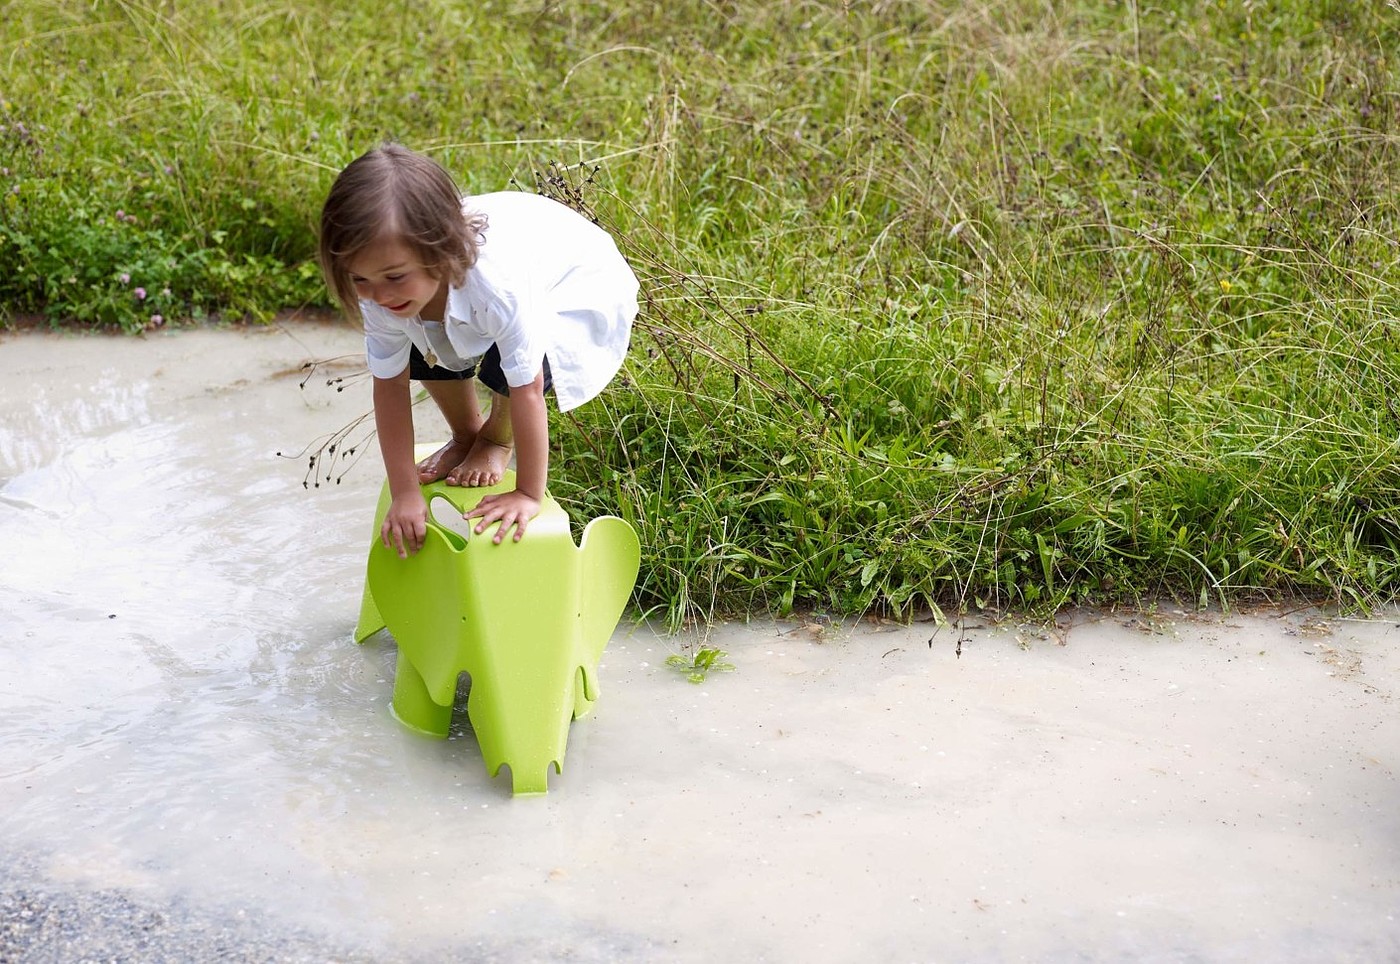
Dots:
pixel 527 621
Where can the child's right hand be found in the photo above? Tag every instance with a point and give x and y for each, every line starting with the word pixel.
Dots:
pixel 406 524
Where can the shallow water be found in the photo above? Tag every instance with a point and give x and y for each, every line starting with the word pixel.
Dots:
pixel 186 720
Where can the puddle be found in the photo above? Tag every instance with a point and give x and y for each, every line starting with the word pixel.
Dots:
pixel 188 725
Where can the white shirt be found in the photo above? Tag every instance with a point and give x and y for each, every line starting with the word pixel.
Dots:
pixel 547 281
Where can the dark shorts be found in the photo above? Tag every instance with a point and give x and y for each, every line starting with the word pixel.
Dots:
pixel 488 370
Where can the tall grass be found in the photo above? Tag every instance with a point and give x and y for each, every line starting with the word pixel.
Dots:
pixel 1013 304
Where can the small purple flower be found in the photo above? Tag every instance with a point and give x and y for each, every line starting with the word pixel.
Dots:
pixel 126 278
pixel 121 215
pixel 157 321
pixel 140 294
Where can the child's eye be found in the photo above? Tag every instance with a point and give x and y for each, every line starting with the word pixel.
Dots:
pixel 393 277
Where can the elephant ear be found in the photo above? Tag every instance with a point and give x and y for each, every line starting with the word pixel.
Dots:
pixel 423 601
pixel 610 557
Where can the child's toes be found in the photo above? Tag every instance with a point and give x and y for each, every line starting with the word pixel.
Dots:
pixel 466 476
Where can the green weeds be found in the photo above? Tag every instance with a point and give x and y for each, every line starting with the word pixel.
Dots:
pixel 698 665
pixel 946 305
pixel 78 263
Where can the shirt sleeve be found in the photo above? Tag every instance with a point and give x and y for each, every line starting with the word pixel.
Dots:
pixel 387 345
pixel 515 327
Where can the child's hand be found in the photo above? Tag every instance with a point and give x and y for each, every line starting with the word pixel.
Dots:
pixel 513 508
pixel 406 524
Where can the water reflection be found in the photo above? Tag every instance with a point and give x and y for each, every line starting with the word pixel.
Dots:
pixel 39 416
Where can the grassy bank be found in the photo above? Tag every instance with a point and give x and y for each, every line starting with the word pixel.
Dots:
pixel 1014 304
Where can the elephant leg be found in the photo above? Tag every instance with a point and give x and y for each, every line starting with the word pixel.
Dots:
pixel 584 694
pixel 531 782
pixel 412 704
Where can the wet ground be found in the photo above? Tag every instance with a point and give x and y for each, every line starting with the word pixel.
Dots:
pixel 197 762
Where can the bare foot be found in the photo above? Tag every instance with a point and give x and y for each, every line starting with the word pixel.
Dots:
pixel 483 465
pixel 443 461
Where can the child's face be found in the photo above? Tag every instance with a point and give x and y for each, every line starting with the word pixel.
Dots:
pixel 388 274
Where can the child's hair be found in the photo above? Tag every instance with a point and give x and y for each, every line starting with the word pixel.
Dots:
pixel 392 192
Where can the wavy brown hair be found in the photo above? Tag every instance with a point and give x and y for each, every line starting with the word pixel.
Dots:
pixel 392 192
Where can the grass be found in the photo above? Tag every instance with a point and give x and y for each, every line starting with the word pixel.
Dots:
pixel 1007 305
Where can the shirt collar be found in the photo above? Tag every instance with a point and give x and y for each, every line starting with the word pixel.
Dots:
pixel 459 306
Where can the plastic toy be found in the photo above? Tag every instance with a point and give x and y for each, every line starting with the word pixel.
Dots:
pixel 527 621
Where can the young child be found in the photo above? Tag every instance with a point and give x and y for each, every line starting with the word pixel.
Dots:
pixel 513 288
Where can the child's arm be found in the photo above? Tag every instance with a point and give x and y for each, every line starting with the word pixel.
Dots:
pixel 406 524
pixel 530 423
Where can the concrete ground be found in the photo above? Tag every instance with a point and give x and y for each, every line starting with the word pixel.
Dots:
pixel 197 762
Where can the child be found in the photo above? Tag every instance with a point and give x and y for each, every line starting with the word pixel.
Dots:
pixel 514 288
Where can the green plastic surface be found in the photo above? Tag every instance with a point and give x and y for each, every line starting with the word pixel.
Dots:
pixel 527 621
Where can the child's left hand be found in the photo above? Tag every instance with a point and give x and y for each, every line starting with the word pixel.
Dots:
pixel 513 508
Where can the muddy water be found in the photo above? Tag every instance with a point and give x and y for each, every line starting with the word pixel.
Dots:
pixel 185 720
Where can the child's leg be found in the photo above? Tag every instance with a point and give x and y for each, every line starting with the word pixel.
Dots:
pixel 456 398
pixel 490 451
